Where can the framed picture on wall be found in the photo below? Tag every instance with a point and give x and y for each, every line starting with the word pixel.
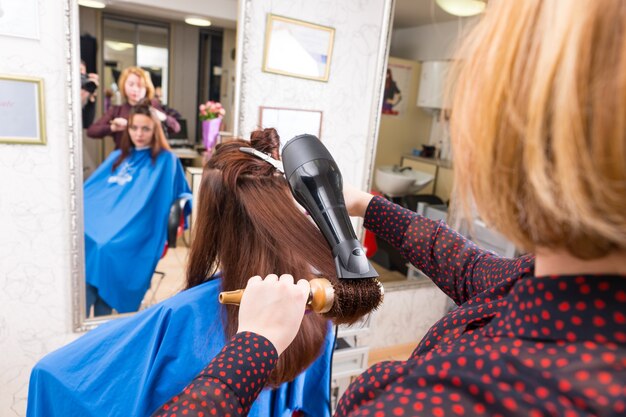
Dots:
pixel 397 84
pixel 22 118
pixel 297 48
pixel 291 122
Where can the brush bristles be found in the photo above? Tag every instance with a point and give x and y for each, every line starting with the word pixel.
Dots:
pixel 354 298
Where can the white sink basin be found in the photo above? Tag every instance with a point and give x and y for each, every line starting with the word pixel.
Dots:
pixel 395 183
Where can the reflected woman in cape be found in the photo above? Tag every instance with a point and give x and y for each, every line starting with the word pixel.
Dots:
pixel 127 202
pixel 247 223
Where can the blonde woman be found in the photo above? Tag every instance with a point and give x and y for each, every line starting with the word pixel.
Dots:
pixel 135 85
pixel 539 134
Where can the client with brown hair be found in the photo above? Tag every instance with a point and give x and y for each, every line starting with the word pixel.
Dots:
pixel 247 223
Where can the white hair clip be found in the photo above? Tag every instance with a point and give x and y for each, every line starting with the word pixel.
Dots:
pixel 274 162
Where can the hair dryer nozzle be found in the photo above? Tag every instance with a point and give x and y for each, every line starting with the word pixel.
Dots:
pixel 316 184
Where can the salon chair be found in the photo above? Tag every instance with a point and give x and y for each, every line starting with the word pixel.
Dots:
pixel 175 228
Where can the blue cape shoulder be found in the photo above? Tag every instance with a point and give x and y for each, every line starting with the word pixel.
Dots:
pixel 131 366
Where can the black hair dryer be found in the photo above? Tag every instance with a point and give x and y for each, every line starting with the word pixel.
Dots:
pixel 316 184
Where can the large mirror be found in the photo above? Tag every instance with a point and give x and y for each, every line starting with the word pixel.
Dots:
pixel 180 67
pixel 129 53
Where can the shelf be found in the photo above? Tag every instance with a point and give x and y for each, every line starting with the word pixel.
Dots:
pixel 444 163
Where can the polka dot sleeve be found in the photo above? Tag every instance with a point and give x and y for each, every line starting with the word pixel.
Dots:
pixel 230 383
pixel 457 265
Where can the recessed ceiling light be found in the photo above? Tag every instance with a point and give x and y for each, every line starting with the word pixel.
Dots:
pixel 118 46
pixel 197 21
pixel 462 7
pixel 96 4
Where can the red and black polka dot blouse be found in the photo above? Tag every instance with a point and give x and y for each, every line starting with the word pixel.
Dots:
pixel 517 345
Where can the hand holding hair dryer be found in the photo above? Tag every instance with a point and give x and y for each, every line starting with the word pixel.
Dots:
pixel 316 183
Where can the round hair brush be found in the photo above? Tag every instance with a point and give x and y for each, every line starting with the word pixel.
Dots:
pixel 344 302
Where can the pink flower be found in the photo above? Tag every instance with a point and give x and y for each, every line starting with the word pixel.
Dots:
pixel 211 110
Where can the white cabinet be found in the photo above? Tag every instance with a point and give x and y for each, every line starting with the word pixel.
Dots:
pixel 432 82
pixel 445 180
pixel 350 356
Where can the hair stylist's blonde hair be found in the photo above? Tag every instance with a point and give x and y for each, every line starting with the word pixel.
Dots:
pixel 539 123
pixel 143 76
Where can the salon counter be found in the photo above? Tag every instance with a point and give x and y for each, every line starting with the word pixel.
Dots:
pixel 444 163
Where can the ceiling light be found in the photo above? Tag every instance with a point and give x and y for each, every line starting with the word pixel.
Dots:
pixel 118 46
pixel 462 8
pixel 197 21
pixel 96 4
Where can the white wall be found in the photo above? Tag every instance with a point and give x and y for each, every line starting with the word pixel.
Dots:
pixel 35 214
pixel 228 78
pixel 184 88
pixel 354 85
pixel 429 42
pixel 398 135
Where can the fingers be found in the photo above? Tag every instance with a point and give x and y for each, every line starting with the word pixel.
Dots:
pixel 303 283
pixel 286 278
pixel 274 308
pixel 301 288
pixel 271 278
pixel 254 279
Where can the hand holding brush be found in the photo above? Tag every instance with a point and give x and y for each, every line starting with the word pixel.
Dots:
pixel 344 302
pixel 265 312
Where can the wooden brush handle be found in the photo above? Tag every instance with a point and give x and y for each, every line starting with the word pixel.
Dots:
pixel 230 297
pixel 321 297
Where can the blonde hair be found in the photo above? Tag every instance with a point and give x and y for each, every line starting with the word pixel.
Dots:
pixel 538 123
pixel 143 76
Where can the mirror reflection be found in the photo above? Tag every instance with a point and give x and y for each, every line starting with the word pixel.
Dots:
pixel 128 201
pixel 144 74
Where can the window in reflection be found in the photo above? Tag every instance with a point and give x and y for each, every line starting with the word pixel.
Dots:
pixel 130 43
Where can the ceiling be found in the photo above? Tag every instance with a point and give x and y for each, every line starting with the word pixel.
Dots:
pixel 409 13
pixel 223 13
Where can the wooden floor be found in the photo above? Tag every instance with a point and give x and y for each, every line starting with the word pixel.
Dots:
pixel 392 353
pixel 385 275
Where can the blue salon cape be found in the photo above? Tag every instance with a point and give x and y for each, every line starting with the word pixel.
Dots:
pixel 126 214
pixel 131 366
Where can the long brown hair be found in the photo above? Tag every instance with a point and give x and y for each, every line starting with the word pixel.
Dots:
pixel 248 223
pixel 159 142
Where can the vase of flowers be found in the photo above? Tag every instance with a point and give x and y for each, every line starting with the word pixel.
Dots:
pixel 211 114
